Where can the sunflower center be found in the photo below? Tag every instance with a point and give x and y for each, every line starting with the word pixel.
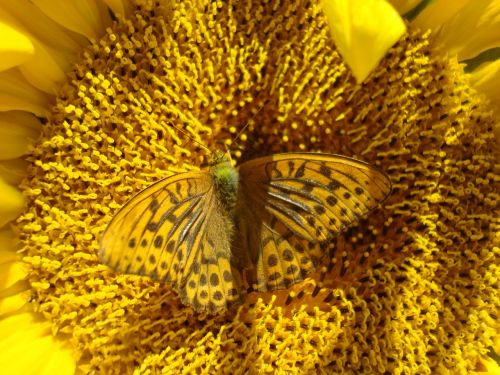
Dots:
pixel 169 83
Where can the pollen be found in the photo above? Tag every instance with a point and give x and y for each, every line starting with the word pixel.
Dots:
pixel 412 289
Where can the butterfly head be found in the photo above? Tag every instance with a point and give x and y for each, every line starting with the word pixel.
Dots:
pixel 220 158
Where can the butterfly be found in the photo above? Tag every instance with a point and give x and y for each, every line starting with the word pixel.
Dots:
pixel 265 225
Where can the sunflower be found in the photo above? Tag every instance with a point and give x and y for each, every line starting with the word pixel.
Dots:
pixel 102 98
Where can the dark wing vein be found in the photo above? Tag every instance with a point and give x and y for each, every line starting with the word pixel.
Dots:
pixel 293 190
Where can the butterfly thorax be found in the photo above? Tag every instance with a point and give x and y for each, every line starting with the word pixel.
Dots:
pixel 225 178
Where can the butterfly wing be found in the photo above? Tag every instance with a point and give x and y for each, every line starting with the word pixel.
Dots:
pixel 296 203
pixel 171 231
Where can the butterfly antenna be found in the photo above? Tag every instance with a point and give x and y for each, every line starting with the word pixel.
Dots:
pixel 228 153
pixel 247 123
pixel 188 135
pixel 241 131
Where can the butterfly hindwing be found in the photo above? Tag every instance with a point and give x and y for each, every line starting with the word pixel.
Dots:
pixel 199 231
pixel 216 282
pixel 298 202
pixel 171 231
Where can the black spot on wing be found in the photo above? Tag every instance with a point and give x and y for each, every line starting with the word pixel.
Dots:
pixel 325 171
pixel 301 171
pixel 334 185
pixel 203 279
pixel 331 200
pixel 218 296
pixel 291 167
pixel 214 279
pixel 170 246
pixel 132 242
pixel 288 255
pixel 154 205
pixel 272 260
pixel 227 276
pixel 274 276
pixel 320 210
pixel 158 241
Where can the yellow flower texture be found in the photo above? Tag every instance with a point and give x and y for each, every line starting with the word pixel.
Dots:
pixel 413 289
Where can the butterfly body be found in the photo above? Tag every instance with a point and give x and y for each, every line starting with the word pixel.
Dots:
pixel 226 181
pixel 266 224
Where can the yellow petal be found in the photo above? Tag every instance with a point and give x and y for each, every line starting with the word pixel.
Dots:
pixel 363 31
pixel 46 70
pixel 51 59
pixel 473 29
pixel 17 94
pixel 86 17
pixel 13 300
pixel 11 273
pixel 60 362
pixel 22 118
pixel 15 48
pixel 13 171
pixel 487 366
pixel 31 21
pixel 496 344
pixel 15 136
pixel 437 12
pixel 22 338
pixel 12 304
pixel 7 256
pixel 486 79
pixel 12 285
pixel 404 6
pixel 118 6
pixel 7 245
pixel 11 203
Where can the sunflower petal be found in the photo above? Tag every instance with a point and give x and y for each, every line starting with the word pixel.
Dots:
pixel 474 28
pixel 437 12
pixel 404 6
pixel 21 337
pixel 11 203
pixel 13 299
pixel 46 71
pixel 11 273
pixel 118 6
pixel 15 48
pixel 15 137
pixel 86 17
pixel 13 171
pixel 486 79
pixel 363 31
pixel 7 248
pixel 31 21
pixel 17 94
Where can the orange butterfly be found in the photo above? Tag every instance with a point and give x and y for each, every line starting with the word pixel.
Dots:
pixel 211 233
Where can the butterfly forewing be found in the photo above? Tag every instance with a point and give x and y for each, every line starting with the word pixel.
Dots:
pixel 287 209
pixel 302 201
pixel 171 231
